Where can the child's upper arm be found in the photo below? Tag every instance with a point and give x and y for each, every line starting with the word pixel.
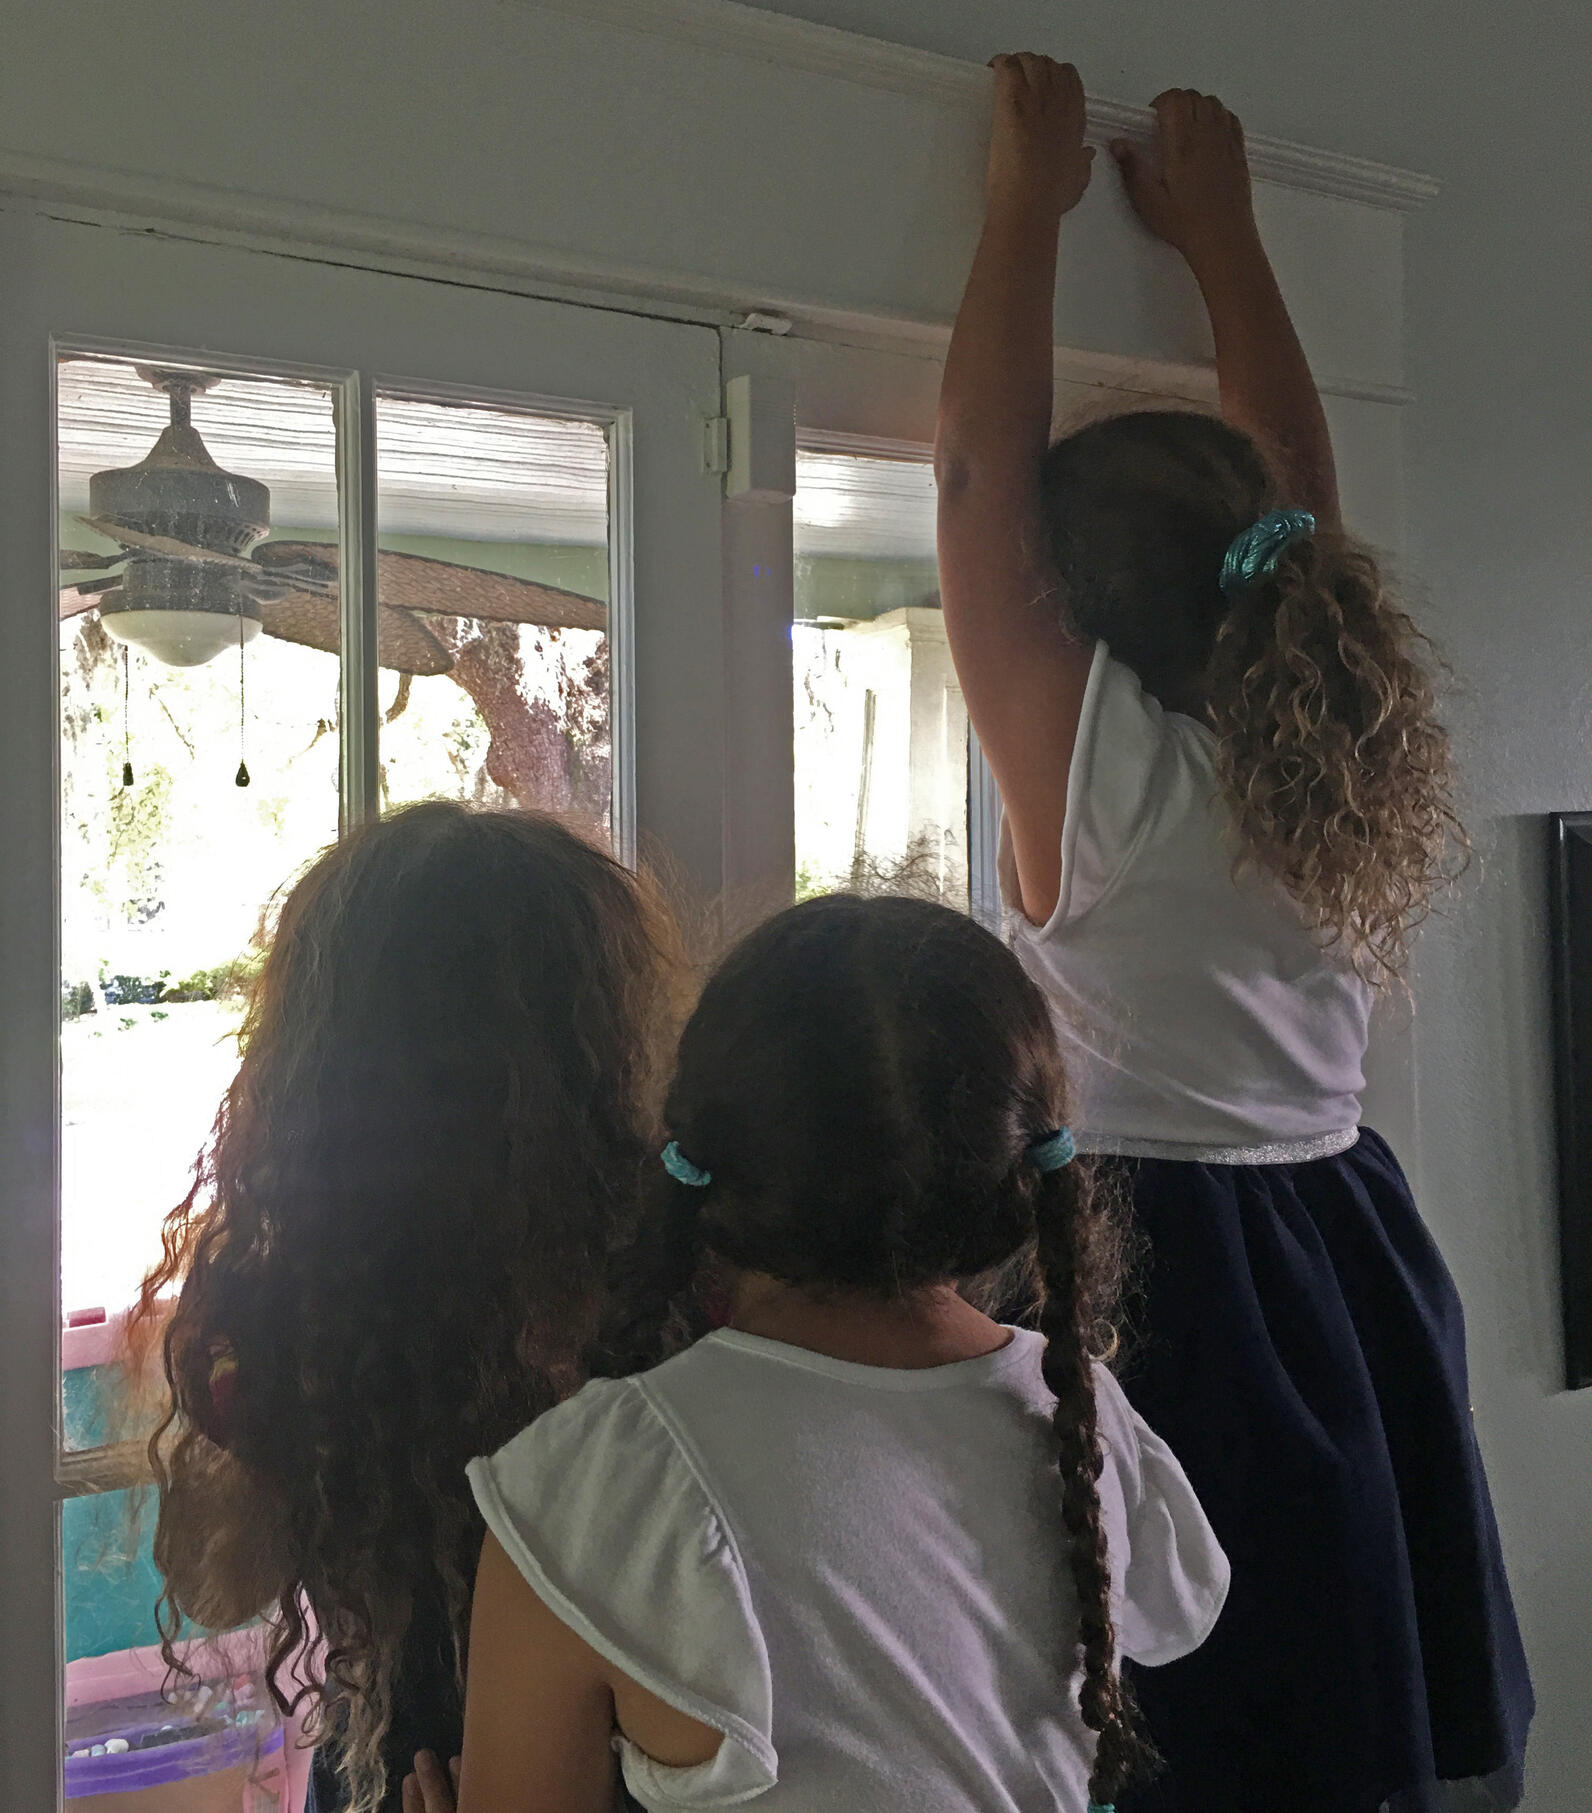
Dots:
pixel 539 1715
pixel 1023 674
pixel 621 1601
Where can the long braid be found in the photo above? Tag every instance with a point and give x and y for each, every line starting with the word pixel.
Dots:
pixel 1070 1235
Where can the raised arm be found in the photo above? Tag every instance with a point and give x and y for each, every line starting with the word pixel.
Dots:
pixel 1022 673
pixel 1193 191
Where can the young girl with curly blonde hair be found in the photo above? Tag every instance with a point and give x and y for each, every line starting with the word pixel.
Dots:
pixel 1228 803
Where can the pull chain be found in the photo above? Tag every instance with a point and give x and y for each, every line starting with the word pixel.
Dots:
pixel 127 714
pixel 241 778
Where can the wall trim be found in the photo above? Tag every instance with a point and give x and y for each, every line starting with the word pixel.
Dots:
pixel 733 29
pixel 139 202
pixel 179 209
pixel 1191 381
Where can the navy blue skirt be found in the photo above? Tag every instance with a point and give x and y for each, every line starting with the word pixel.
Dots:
pixel 1301 1348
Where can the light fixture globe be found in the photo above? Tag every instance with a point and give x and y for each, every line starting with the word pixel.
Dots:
pixel 181 638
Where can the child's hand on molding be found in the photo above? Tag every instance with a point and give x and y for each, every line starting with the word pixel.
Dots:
pixel 1037 157
pixel 1191 188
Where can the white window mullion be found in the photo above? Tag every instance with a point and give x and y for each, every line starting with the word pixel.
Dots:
pixel 622 632
pixel 358 598
pixel 983 837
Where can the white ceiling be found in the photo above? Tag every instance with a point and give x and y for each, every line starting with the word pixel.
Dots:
pixel 870 509
pixel 451 469
pixel 475 473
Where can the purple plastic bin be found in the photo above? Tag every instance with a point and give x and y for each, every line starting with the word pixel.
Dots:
pixel 146 1764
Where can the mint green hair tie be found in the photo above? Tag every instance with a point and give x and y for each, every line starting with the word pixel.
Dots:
pixel 1256 552
pixel 1055 1151
pixel 681 1169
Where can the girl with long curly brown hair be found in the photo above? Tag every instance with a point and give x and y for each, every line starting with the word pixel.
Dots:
pixel 863 1547
pixel 1228 803
pixel 393 1253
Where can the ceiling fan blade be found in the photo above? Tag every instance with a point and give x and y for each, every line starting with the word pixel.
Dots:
pixel 76 599
pixel 311 620
pixel 444 588
pixel 90 587
pixel 139 542
pixel 79 560
pixel 418 583
pixel 408 646
pixel 301 565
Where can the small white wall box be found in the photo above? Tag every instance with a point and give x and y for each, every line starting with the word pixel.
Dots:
pixel 762 417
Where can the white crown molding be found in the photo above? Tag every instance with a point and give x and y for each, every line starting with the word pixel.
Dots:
pixel 261 223
pixel 296 229
pixel 1190 381
pixel 727 27
pixel 372 242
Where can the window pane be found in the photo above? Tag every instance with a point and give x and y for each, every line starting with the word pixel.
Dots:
pixel 881 731
pixel 494 534
pixel 198 653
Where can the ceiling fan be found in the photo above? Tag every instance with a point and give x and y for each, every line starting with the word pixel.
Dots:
pixel 197 575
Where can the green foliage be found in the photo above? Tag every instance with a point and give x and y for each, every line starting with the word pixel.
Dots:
pixel 138 831
pixel 809 883
pixel 133 991
pixel 224 982
pixel 77 999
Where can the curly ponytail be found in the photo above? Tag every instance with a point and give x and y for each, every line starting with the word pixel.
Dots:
pixel 1316 682
pixel 1329 749
pixel 1079 1260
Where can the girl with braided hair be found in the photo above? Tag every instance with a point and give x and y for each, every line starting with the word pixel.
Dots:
pixel 1228 803
pixel 863 1547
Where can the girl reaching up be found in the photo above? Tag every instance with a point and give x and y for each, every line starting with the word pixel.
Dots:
pixel 864 1548
pixel 1227 805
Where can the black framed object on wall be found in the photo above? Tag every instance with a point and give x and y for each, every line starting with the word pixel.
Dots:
pixel 1571 860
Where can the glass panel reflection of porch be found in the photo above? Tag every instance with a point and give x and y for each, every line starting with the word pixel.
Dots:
pixel 881 764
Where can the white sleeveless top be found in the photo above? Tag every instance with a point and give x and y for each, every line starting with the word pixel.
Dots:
pixel 1199 1016
pixel 858 1574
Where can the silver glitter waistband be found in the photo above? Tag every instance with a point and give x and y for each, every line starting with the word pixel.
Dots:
pixel 1276 1152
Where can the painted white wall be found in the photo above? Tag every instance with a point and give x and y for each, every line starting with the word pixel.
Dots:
pixel 524 137
pixel 1498 454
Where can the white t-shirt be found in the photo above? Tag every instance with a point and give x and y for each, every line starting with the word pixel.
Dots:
pixel 859 1575
pixel 1195 1011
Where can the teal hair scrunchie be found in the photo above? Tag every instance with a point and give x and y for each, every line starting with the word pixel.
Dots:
pixel 1095 1807
pixel 681 1169
pixel 1055 1151
pixel 1256 551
